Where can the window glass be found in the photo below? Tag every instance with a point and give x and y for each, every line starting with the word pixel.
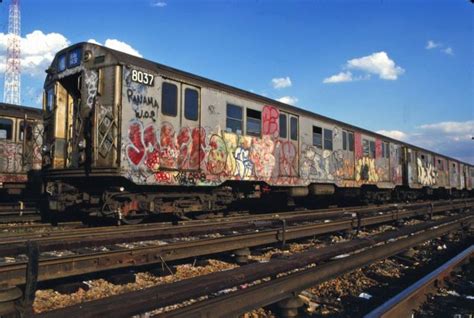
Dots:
pixel 74 57
pixel 49 99
pixel 383 149
pixel 387 150
pixel 365 147
pixel 372 149
pixel 29 131
pixel 317 137
pixel 6 129
pixel 254 122
pixel 169 99
pixel 294 128
pixel 283 126
pixel 351 141
pixel 344 140
pixel 191 104
pixel 234 118
pixel 62 63
pixel 328 139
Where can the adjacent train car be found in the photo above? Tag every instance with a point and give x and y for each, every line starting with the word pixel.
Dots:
pixel 21 133
pixel 127 137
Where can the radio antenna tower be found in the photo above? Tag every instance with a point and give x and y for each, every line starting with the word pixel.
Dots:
pixel 12 84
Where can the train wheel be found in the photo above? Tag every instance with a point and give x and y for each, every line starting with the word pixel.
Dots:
pixel 133 217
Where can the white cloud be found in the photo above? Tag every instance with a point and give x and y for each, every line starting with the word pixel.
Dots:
pixel 432 45
pixel 118 45
pixel 281 82
pixel 159 4
pixel 377 63
pixel 451 138
pixel 290 100
pixel 339 78
pixel 37 51
pixel 395 134
pixel 451 127
pixel 448 51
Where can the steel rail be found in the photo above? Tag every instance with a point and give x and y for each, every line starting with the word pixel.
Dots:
pixel 278 288
pixel 408 300
pixel 85 238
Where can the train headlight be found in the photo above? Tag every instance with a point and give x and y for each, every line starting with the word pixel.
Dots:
pixel 82 144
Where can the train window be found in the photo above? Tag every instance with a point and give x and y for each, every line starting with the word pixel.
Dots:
pixel 234 118
pixel 169 99
pixel 368 148
pixel 328 139
pixel 385 150
pixel 454 168
pixel 294 128
pixel 344 140
pixel 6 129
pixel 191 104
pixel 62 62
pixel 347 140
pixel 283 126
pixel 29 131
pixel 350 135
pixel 254 122
pixel 74 57
pixel 318 137
pixel 49 99
pixel 372 149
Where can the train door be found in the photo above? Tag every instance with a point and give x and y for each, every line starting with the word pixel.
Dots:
pixel 289 150
pixel 28 143
pixel 462 176
pixel 180 133
pixel 382 159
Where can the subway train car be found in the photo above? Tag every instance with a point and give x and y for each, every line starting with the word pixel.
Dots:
pixel 126 137
pixel 21 133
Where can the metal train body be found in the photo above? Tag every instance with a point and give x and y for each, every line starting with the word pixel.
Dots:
pixel 20 147
pixel 125 134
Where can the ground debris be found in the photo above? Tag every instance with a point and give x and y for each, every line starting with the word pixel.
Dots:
pixel 49 299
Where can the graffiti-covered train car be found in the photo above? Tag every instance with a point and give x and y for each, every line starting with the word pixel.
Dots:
pixel 20 147
pixel 129 137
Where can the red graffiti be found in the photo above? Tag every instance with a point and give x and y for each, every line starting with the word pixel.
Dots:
pixel 357 145
pixel 198 148
pixel 378 148
pixel 152 159
pixel 184 139
pixel 163 177
pixel 143 145
pixel 287 159
pixel 270 116
pixel 136 150
pixel 169 151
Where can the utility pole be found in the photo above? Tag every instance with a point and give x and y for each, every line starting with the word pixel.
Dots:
pixel 12 84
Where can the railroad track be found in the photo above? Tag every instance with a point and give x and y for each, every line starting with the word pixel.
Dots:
pixel 220 293
pixel 240 234
pixel 19 212
pixel 408 301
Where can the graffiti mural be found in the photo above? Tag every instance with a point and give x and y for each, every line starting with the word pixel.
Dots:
pixel 91 79
pixel 366 170
pixel 427 173
pixel 318 164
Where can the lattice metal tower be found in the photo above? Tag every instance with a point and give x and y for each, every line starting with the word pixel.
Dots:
pixel 12 84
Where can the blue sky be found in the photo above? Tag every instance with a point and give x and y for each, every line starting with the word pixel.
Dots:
pixel 400 67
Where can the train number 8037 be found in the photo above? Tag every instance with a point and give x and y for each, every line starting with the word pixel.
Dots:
pixel 142 77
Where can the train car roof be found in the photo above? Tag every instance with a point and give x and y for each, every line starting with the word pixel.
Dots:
pixel 20 111
pixel 126 59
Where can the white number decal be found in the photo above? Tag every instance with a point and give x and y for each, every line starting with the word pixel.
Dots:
pixel 142 77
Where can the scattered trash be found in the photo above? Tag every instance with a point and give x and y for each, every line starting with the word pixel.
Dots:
pixel 365 296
